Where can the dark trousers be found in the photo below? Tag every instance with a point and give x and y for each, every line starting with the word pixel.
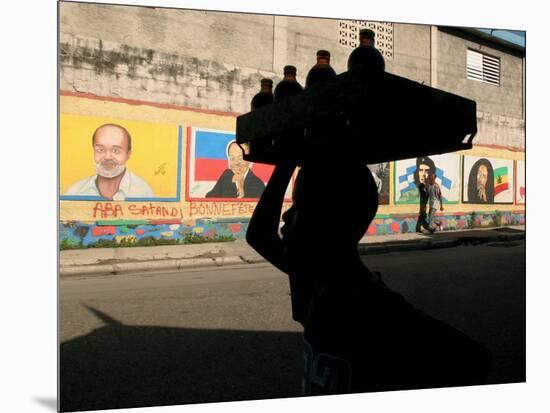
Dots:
pixel 422 222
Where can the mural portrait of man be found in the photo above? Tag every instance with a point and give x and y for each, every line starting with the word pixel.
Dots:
pixel 112 146
pixel 411 174
pixel 424 166
pixel 488 180
pixel 481 187
pixel 413 177
pixel 238 180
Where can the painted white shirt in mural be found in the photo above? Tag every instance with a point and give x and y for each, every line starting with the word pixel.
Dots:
pixel 131 186
pixel 377 181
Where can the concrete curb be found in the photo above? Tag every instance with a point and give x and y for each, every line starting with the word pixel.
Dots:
pixel 88 269
pixel 147 266
pixel 512 237
pixel 407 246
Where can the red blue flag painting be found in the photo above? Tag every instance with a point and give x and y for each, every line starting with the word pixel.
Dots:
pixel 216 169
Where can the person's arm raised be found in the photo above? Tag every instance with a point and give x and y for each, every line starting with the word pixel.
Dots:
pixel 263 229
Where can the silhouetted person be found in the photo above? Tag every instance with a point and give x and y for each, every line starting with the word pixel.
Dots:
pixel 435 201
pixel 424 165
pixel 481 183
pixel 358 334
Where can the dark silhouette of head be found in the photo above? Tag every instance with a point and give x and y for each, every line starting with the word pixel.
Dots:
pixel 481 183
pixel 424 165
pixel 308 220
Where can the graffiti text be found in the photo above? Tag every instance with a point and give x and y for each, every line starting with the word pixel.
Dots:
pixel 103 210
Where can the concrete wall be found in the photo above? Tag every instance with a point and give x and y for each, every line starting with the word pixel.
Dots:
pixel 412 52
pixel 205 60
pixel 163 55
pixel 183 71
pixel 500 108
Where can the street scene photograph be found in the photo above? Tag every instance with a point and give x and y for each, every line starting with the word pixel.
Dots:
pixel 272 206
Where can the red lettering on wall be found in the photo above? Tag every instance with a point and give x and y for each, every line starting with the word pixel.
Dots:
pixel 107 210
pixel 134 209
pixel 225 209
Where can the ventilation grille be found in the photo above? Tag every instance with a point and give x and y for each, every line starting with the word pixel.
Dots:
pixel 349 35
pixel 483 68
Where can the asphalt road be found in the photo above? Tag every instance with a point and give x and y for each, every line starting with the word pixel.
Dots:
pixel 221 334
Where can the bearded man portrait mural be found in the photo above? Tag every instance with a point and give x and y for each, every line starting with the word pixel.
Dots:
pixel 112 145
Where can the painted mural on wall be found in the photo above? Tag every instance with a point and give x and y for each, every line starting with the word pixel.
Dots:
pixel 520 182
pixel 487 180
pixel 409 173
pixel 216 170
pixel 381 174
pixel 118 160
pixel 127 233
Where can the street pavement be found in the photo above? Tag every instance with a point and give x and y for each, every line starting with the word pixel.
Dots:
pixel 109 261
pixel 210 334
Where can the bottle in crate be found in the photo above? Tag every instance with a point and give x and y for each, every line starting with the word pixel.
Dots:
pixel 288 86
pixel 366 53
pixel 321 132
pixel 322 71
pixel 264 96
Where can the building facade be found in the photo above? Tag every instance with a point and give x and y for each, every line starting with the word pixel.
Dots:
pixel 176 80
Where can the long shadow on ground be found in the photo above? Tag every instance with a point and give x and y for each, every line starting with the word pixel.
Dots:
pixel 121 366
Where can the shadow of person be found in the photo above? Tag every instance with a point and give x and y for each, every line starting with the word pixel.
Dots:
pixel 359 335
pixel 125 366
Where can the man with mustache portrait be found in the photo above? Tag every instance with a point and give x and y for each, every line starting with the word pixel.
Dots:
pixel 112 146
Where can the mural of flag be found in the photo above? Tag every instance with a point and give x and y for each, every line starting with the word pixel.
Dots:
pixel 501 179
pixel 442 180
pixel 406 181
pixel 211 154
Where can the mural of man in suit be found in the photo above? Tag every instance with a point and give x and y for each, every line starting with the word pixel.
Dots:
pixel 238 180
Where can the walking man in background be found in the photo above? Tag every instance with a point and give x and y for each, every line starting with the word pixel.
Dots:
pixel 435 201
pixel 424 166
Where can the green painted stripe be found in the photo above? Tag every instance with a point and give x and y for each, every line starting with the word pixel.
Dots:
pixel 503 170
pixel 120 222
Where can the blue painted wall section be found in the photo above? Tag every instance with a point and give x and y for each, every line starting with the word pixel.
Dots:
pixel 77 234
pixel 101 234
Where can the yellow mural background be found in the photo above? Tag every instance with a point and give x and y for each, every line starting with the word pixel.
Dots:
pixel 75 108
pixel 154 151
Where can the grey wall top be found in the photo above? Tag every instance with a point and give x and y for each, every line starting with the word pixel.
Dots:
pixel 215 60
